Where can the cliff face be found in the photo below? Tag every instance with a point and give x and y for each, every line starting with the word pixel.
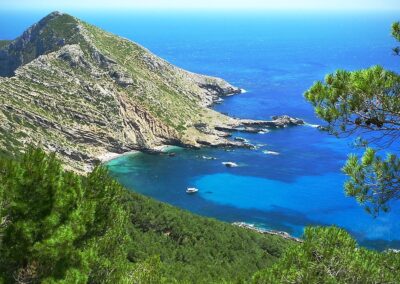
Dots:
pixel 82 92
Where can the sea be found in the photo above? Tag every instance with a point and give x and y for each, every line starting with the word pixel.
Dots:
pixel 294 178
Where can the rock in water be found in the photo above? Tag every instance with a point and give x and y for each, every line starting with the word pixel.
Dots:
pixel 285 120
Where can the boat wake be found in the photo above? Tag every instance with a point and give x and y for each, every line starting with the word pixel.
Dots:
pixel 312 125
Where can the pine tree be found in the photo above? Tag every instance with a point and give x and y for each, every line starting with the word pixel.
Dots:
pixel 365 103
pixel 58 226
pixel 331 255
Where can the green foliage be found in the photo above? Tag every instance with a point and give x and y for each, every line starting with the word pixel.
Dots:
pixel 330 255
pixel 396 35
pixel 60 226
pixel 396 30
pixel 4 43
pixel 194 249
pixel 373 181
pixel 366 99
pixel 148 272
pixel 365 103
pixel 57 226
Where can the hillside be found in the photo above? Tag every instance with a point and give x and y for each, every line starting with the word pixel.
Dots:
pixel 83 92
pixel 60 227
pixel 56 226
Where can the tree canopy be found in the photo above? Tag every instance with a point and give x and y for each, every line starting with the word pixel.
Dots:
pixel 60 227
pixel 331 255
pixel 57 226
pixel 365 103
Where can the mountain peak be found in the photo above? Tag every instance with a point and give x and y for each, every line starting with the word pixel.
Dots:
pixel 47 19
pixel 52 15
pixel 49 34
pixel 55 14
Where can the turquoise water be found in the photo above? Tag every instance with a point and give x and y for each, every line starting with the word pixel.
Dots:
pixel 275 57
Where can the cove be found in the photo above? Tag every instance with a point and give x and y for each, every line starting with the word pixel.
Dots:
pixel 276 58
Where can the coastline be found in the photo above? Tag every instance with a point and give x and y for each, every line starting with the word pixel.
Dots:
pixel 109 156
pixel 282 234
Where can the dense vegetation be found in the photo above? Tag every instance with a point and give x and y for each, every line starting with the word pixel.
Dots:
pixel 59 226
pixel 56 226
pixel 365 103
pixel 330 255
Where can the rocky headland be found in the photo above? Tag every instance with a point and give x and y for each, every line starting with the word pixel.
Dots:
pixel 84 93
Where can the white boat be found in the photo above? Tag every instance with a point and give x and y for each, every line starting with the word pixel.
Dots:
pixel 191 190
pixel 208 158
pixel 230 164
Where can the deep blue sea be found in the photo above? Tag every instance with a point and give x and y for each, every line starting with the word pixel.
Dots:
pixel 275 57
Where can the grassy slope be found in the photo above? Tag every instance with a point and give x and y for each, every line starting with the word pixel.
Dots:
pixel 163 90
pixel 57 29
pixel 159 91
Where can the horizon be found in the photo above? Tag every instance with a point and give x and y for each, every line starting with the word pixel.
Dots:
pixel 202 6
pixel 199 12
pixel 26 18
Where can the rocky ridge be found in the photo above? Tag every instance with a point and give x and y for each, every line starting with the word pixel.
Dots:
pixel 83 92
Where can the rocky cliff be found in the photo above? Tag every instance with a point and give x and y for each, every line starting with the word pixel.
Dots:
pixel 83 92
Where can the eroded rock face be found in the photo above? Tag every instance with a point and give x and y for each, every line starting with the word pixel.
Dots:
pixel 74 56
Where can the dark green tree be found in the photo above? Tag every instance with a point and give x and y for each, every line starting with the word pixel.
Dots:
pixel 331 255
pixel 59 227
pixel 365 103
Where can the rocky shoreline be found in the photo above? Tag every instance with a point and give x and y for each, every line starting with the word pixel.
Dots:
pixel 257 126
pixel 282 234
pixel 224 132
